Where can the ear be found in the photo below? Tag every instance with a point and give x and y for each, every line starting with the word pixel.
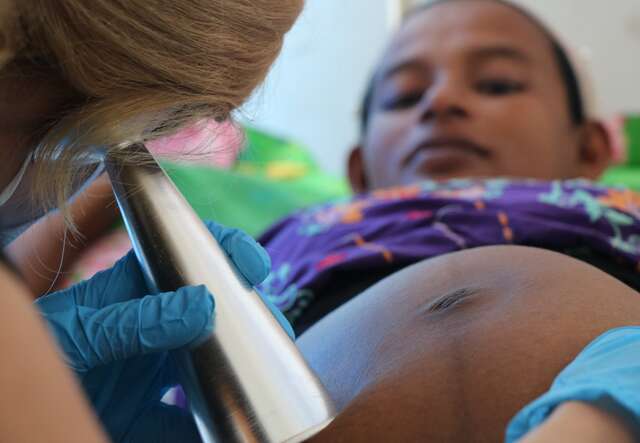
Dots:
pixel 595 150
pixel 357 175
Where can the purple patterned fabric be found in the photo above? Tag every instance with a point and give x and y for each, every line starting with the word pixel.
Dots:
pixel 397 227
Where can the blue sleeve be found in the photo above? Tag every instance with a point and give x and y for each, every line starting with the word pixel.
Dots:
pixel 605 374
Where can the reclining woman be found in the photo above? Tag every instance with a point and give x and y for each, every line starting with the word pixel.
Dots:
pixel 452 348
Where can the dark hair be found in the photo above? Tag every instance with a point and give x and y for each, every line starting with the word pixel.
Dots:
pixel 567 71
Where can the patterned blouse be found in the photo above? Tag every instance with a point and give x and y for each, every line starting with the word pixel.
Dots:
pixel 393 228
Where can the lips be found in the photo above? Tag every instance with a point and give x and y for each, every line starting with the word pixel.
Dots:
pixel 447 147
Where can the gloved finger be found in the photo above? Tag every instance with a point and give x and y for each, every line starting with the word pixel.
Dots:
pixel 122 282
pixel 154 323
pixel 163 424
pixel 125 281
pixel 250 258
pixel 279 316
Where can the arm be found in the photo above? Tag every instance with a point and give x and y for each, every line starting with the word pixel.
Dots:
pixel 576 422
pixel 598 393
pixel 38 253
pixel 41 399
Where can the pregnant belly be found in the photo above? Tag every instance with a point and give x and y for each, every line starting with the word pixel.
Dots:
pixel 451 348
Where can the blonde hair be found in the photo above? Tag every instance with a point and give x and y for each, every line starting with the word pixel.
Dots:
pixel 142 68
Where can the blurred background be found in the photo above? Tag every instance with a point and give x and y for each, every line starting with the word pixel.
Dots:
pixel 313 93
pixel 302 121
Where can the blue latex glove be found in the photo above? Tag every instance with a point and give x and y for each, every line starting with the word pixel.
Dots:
pixel 117 342
pixel 606 374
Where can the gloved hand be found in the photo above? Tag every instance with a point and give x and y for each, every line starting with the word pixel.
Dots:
pixel 606 374
pixel 117 341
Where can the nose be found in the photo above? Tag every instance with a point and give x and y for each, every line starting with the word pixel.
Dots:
pixel 443 100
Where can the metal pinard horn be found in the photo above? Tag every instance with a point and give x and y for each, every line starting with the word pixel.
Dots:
pixel 247 382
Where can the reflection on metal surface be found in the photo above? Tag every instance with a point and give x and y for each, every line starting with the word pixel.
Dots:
pixel 247 382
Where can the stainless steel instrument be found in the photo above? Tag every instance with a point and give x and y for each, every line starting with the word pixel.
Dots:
pixel 247 382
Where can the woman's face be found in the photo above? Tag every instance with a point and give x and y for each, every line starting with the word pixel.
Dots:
pixel 472 88
pixel 30 101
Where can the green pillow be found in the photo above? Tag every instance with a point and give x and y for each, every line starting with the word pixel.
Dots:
pixel 627 174
pixel 272 178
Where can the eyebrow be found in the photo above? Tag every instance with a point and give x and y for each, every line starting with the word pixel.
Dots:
pixel 478 55
pixel 409 65
pixel 508 52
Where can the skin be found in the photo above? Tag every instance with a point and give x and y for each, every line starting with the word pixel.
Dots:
pixel 579 423
pixel 450 97
pixel 48 249
pixel 43 402
pixel 459 371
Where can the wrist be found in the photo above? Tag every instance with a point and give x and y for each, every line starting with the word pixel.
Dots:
pixel 580 422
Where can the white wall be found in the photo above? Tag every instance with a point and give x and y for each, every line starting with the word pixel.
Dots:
pixel 610 32
pixel 314 91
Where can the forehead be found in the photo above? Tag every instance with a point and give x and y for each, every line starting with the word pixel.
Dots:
pixel 458 27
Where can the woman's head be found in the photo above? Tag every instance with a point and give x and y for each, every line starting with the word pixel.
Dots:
pixel 475 88
pixel 102 72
